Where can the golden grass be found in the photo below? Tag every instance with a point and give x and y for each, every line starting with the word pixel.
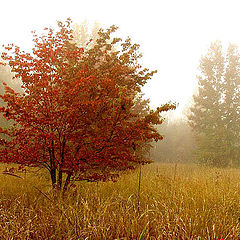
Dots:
pixel 187 202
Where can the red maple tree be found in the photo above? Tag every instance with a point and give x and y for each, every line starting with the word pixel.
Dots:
pixel 76 115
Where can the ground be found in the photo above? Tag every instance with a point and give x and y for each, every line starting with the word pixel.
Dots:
pixel 176 202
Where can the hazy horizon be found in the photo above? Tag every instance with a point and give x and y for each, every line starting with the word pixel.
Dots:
pixel 173 35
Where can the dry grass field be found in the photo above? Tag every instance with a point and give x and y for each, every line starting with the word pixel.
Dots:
pixel 176 202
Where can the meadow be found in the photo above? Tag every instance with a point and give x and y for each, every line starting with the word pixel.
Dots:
pixel 174 202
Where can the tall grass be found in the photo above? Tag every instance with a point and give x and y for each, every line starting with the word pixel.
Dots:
pixel 176 202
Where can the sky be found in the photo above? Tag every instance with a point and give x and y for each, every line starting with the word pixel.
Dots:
pixel 173 34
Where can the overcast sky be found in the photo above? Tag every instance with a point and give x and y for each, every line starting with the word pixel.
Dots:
pixel 173 34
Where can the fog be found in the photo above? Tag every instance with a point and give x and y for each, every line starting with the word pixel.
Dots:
pixel 173 34
pixel 173 37
pixel 82 116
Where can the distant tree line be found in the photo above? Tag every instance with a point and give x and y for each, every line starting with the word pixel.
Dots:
pixel 214 115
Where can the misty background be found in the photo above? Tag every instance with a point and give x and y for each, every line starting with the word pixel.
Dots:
pixel 173 36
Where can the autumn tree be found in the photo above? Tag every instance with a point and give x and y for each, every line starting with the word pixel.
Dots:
pixel 75 117
pixel 214 113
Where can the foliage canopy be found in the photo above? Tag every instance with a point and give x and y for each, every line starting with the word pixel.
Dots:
pixel 76 116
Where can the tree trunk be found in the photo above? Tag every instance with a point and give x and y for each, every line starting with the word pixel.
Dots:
pixel 52 165
pixel 60 173
pixel 67 181
pixel 53 177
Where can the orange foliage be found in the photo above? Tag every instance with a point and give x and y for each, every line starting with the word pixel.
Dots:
pixel 73 119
